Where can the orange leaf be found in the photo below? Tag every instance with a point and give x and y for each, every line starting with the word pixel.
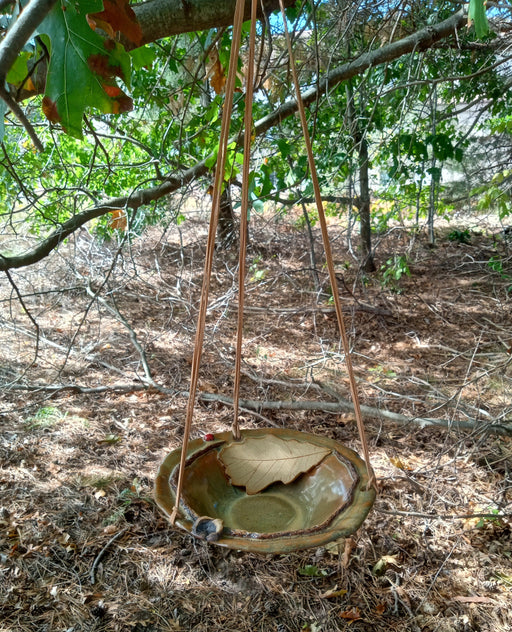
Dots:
pixel 112 91
pixel 120 17
pixel 118 219
pixel 95 22
pixel 123 103
pixel 218 79
pixel 29 85
pixel 353 614
pixel 50 110
pixel 216 73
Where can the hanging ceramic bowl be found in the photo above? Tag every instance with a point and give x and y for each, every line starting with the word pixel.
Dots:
pixel 275 491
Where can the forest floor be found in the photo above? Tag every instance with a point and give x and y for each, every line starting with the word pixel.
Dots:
pixel 83 546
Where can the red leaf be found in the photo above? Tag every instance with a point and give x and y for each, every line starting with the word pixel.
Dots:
pixel 100 64
pixel 118 16
pixel 122 104
pixel 50 110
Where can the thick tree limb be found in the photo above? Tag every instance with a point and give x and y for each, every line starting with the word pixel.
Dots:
pixel 20 32
pixel 418 41
pixel 162 18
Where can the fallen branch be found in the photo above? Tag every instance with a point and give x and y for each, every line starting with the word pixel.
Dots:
pixel 343 405
pixel 258 406
pixel 416 514
pixel 100 555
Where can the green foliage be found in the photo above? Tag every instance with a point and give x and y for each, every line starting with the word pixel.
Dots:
pixel 460 236
pixel 256 272
pixel 176 118
pixel 45 417
pixel 393 270
pixel 82 70
pixel 311 570
pixel 494 197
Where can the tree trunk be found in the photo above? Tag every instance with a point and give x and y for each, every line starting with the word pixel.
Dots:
pixel 361 146
pixel 226 228
pixel 433 177
pixel 367 261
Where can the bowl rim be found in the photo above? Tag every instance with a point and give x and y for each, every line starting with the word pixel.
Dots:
pixel 345 522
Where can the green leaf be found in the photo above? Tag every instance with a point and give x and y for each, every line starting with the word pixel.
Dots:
pixel 142 57
pixel 284 147
pixel 82 67
pixel 477 15
pixel 311 570
pixel 19 70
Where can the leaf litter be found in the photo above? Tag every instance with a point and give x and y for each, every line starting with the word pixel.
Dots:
pixel 53 527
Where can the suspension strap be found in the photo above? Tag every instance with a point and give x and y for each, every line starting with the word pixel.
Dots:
pixel 214 216
pixel 328 254
pixel 244 216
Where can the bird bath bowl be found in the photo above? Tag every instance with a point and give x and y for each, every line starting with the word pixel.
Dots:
pixel 325 503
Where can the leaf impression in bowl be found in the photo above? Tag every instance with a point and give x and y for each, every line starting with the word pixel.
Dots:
pixel 257 462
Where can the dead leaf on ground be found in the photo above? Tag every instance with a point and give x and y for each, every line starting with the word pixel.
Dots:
pixel 353 614
pixel 257 462
pixel 385 562
pixel 333 592
pixel 350 545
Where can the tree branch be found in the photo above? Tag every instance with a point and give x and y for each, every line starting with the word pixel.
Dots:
pixel 343 405
pixel 418 41
pixel 162 18
pixel 20 32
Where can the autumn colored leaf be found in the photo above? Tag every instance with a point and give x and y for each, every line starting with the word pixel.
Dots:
pixel 216 73
pixel 29 85
pixel 112 91
pixel 117 17
pixel 257 462
pixel 353 614
pixel 50 110
pixel 81 66
pixel 118 219
pixel 332 593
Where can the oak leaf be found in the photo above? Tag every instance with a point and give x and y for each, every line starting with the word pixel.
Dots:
pixel 117 17
pixel 257 462
pixel 353 614
pixel 81 66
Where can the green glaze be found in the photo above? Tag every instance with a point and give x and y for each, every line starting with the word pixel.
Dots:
pixel 327 503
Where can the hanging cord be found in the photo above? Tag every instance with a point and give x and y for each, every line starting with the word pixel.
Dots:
pixel 244 216
pixel 328 255
pixel 214 216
